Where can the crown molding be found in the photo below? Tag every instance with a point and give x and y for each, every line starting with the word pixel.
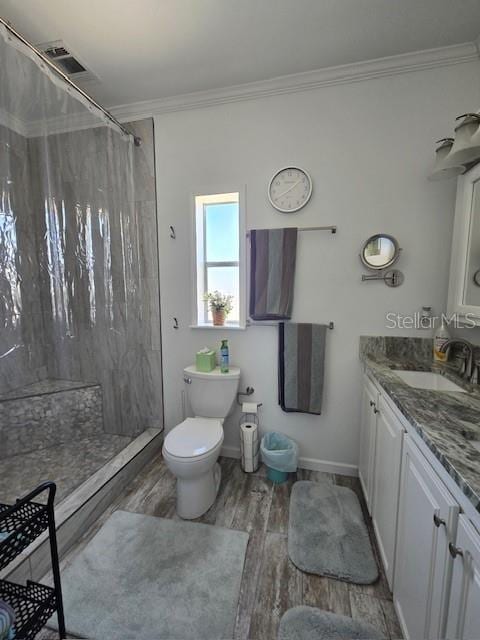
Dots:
pixel 305 81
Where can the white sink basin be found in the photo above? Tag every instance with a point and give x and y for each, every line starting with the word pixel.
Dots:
pixel 428 380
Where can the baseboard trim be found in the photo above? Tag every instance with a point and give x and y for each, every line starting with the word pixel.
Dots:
pixel 312 464
pixel 231 452
pixel 342 468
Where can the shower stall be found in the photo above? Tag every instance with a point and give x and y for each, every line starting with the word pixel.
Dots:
pixel 80 350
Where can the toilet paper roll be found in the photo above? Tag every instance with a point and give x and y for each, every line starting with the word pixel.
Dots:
pixel 249 407
pixel 248 433
pixel 250 465
pixel 249 446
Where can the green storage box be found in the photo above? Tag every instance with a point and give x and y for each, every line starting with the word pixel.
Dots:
pixel 206 361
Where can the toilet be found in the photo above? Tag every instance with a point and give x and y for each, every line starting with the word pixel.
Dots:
pixel 191 449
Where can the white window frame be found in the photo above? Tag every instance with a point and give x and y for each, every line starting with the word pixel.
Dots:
pixel 199 265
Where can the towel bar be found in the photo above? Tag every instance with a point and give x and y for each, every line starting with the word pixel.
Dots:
pixel 332 228
pixel 261 323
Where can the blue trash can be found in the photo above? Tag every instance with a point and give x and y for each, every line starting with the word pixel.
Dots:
pixel 277 477
pixel 280 455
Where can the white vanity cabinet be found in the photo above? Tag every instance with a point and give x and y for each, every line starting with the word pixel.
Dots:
pixel 386 481
pixel 427 520
pixel 464 610
pixel 430 553
pixel 379 469
pixel 368 428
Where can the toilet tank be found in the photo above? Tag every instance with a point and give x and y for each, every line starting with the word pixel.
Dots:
pixel 212 394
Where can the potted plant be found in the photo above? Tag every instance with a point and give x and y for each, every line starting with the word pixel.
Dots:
pixel 220 306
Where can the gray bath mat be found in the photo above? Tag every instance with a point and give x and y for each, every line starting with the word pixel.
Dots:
pixel 327 534
pixel 308 623
pixel 145 578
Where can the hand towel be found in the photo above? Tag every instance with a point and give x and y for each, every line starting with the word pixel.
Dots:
pixel 272 273
pixel 301 356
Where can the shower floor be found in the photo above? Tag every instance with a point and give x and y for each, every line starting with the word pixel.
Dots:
pixel 68 465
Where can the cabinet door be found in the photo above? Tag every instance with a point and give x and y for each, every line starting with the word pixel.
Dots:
pixel 464 610
pixel 367 440
pixel 388 456
pixel 427 520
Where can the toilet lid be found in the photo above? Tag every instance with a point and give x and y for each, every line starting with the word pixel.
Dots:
pixel 193 437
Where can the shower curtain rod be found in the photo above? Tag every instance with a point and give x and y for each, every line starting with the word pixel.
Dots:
pixel 59 72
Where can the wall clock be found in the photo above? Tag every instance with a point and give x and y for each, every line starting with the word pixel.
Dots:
pixel 290 189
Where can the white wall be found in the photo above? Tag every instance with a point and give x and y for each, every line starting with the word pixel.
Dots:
pixel 368 146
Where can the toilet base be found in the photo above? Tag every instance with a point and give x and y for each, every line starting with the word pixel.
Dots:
pixel 196 495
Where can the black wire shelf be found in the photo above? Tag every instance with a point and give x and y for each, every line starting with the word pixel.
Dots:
pixel 23 524
pixel 33 604
pixel 20 524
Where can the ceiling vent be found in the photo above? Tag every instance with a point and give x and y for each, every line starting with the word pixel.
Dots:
pixel 65 60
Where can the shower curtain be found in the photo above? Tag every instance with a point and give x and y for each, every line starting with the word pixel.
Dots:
pixel 78 280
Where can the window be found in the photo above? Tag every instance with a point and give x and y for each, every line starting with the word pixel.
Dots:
pixel 219 246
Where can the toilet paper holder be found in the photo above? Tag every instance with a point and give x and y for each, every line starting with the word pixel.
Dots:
pixel 249 391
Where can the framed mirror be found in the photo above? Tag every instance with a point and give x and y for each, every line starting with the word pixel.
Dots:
pixel 380 251
pixel 464 285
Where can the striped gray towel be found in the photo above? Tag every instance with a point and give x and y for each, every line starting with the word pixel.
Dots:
pixel 272 273
pixel 301 366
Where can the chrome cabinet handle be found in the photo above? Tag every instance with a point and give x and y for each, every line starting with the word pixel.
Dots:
pixel 438 521
pixel 454 551
pixel 373 404
pixel 187 380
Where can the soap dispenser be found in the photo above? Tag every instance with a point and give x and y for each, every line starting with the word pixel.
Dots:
pixel 441 336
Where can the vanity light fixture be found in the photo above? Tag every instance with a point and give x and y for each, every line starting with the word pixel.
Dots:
pixel 444 168
pixel 466 147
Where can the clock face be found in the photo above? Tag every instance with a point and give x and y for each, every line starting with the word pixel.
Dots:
pixel 290 189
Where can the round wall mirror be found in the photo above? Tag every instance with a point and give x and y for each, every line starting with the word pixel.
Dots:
pixel 380 251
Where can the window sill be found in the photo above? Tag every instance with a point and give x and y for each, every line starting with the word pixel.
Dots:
pixel 226 327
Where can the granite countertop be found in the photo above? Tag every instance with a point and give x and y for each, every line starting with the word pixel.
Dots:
pixel 447 422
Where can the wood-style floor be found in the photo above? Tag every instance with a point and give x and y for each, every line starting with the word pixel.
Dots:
pixel 271 583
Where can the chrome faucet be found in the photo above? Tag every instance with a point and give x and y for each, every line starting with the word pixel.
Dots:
pixel 468 373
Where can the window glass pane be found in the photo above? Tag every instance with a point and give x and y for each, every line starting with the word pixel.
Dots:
pixel 221 222
pixel 225 280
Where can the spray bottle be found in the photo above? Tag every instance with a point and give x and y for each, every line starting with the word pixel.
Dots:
pixel 224 356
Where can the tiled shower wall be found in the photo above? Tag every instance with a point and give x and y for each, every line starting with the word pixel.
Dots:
pixel 22 349
pixel 91 311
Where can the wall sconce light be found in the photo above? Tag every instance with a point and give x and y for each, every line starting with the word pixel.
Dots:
pixel 444 167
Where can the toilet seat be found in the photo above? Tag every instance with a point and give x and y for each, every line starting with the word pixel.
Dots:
pixel 193 439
